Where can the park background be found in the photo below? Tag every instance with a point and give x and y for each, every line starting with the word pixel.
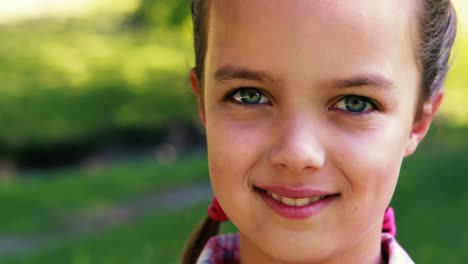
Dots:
pixel 102 159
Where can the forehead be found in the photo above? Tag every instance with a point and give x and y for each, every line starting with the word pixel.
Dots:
pixel 296 12
pixel 264 32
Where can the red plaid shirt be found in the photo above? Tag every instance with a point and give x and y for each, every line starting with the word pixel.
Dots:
pixel 224 249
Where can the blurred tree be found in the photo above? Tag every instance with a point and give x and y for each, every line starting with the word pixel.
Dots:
pixel 160 13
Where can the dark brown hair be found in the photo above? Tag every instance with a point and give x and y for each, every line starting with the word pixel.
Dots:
pixel 200 16
pixel 437 30
pixel 202 234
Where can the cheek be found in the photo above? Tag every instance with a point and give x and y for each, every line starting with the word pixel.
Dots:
pixel 233 144
pixel 234 149
pixel 371 162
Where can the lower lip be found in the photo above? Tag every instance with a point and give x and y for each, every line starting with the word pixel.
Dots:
pixel 297 212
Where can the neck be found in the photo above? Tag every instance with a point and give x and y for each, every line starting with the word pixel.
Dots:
pixel 366 250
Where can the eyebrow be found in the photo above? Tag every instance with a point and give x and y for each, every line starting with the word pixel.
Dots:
pixel 231 72
pixel 367 79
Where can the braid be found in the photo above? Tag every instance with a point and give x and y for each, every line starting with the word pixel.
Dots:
pixel 202 234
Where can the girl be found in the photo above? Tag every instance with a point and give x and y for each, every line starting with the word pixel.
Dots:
pixel 310 107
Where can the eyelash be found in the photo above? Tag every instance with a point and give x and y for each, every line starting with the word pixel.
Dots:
pixel 369 103
pixel 231 96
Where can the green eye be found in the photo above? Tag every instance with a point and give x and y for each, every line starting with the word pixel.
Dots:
pixel 355 104
pixel 250 96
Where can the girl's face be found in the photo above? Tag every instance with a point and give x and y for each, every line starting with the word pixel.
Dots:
pixel 306 100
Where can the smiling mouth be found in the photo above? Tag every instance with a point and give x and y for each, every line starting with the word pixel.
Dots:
pixel 298 202
pixel 295 201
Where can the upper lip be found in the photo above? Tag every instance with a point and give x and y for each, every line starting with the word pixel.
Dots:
pixel 295 192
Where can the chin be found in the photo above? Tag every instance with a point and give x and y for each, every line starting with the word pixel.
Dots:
pixel 298 256
pixel 296 248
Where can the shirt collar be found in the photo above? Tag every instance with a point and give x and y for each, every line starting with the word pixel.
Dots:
pixel 224 249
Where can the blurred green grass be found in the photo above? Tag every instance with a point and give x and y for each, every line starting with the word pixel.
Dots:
pixel 152 240
pixel 157 239
pixel 42 205
pixel 68 82
pixel 431 198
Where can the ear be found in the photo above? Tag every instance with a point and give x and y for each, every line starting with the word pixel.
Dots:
pixel 195 84
pixel 422 124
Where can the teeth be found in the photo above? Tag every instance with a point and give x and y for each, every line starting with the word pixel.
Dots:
pixel 302 201
pixel 315 198
pixel 276 196
pixel 288 201
pixel 295 202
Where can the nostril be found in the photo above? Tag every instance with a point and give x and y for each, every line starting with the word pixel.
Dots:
pixel 298 161
pixel 298 151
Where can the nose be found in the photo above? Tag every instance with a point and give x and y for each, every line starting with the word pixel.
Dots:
pixel 298 147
